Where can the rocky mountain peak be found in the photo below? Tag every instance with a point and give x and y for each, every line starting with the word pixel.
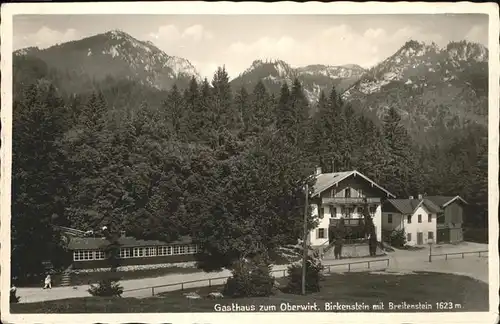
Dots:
pixel 413 48
pixel 275 67
pixel 464 51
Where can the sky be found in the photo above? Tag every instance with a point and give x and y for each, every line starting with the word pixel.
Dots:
pixel 209 41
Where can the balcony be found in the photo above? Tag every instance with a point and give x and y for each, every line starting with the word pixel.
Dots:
pixel 347 221
pixel 349 201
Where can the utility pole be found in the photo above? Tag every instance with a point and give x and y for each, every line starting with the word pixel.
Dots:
pixel 304 256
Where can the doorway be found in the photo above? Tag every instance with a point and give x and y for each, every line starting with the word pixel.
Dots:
pixel 420 238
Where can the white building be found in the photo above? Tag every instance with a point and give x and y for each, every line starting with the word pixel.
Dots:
pixel 343 195
pixel 417 217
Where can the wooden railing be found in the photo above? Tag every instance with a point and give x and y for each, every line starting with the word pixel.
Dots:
pixel 457 253
pixel 347 221
pixel 350 200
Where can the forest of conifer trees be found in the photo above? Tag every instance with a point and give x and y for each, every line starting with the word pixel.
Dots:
pixel 226 168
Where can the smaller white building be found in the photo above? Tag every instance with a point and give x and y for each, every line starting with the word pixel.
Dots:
pixel 417 217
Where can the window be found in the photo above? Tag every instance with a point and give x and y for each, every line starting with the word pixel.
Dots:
pixel 138 252
pixel 83 255
pixel 321 212
pixel 409 219
pixel 429 218
pixel 419 218
pixel 150 251
pixel 430 235
pixel 125 253
pixel 100 255
pixel 333 193
pixel 360 193
pixel 373 209
pixel 408 237
pixel 321 233
pixel 164 250
pixel 348 193
pixel 192 249
pixel 389 218
pixel 177 250
pixel 361 210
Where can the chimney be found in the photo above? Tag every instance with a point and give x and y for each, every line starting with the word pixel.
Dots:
pixel 420 197
pixel 122 233
pixel 318 170
pixel 333 166
pixel 411 197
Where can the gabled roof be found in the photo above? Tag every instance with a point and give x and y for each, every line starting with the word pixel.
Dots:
pixel 326 180
pixel 443 201
pixel 95 243
pixel 408 206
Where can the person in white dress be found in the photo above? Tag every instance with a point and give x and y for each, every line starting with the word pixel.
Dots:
pixel 48 282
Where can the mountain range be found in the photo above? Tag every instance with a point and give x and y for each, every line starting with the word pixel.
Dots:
pixel 120 55
pixel 432 87
pixel 314 78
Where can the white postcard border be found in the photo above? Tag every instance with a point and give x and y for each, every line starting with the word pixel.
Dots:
pixel 282 8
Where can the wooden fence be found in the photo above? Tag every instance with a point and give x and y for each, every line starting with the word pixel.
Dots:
pixel 457 253
pixel 210 281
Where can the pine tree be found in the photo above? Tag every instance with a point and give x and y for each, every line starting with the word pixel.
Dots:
pixel 284 118
pixel 221 101
pixel 87 150
pixel 479 194
pixel 262 106
pixel 195 117
pixel 207 133
pixel 350 136
pixel 175 112
pixel 244 110
pixel 371 153
pixel 38 185
pixel 300 113
pixel 401 161
pixel 327 136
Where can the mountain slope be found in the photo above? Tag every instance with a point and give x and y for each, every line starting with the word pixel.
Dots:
pixel 116 54
pixel 314 78
pixel 431 87
pixel 120 93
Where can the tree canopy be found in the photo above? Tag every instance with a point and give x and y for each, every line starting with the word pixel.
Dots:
pixel 225 168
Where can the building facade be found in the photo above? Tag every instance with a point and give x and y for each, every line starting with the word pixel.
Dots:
pixel 417 217
pixel 90 252
pixel 435 218
pixel 344 195
pixel 451 218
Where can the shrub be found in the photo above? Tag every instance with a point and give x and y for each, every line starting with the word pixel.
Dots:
pixel 239 284
pixel 251 278
pixel 106 288
pixel 14 299
pixel 398 238
pixel 313 275
pixel 261 280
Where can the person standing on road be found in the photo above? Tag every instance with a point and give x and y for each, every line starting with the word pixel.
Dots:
pixel 337 249
pixel 48 282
